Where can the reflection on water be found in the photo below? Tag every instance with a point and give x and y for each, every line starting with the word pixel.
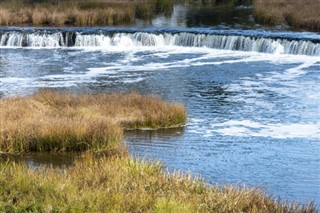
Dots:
pixel 228 17
pixel 35 160
pixel 153 134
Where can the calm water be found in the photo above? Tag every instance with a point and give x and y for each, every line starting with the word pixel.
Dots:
pixel 253 96
pixel 220 17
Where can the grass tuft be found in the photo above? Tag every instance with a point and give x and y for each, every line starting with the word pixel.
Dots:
pixel 299 14
pixel 60 122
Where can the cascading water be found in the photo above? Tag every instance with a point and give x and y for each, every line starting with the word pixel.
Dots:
pixel 256 43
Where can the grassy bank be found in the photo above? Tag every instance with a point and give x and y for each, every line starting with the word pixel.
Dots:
pixel 123 185
pixel 57 121
pixel 108 181
pixel 300 14
pixel 80 12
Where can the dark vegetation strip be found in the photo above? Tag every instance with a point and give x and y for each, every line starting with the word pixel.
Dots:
pixel 79 12
pixel 299 14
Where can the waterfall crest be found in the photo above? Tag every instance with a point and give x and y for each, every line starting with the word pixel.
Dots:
pixel 185 39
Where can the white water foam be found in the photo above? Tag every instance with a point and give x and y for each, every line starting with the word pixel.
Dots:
pixel 248 128
pixel 248 93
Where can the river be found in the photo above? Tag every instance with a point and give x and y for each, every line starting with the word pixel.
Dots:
pixel 252 95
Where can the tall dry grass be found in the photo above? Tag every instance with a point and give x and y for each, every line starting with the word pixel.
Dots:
pixel 300 14
pixel 79 13
pixel 58 121
pixel 124 185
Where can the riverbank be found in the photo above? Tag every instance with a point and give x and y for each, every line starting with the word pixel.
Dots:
pixel 120 184
pixel 299 14
pixel 79 13
pixel 104 178
pixel 295 14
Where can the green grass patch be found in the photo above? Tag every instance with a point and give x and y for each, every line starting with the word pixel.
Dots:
pixel 120 184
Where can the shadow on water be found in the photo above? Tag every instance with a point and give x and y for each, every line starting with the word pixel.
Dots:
pixel 155 134
pixel 226 15
pixel 240 16
pixel 36 160
pixel 65 160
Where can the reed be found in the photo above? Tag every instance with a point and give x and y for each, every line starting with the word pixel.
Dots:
pixel 120 184
pixel 299 14
pixel 79 13
pixel 59 121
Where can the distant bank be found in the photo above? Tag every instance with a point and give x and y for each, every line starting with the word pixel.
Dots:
pixel 298 14
pixel 79 13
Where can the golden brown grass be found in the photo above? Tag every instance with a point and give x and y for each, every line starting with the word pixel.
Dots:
pixel 79 13
pixel 59 121
pixel 124 185
pixel 298 13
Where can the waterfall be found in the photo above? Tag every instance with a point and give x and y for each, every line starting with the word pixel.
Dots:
pixel 186 39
